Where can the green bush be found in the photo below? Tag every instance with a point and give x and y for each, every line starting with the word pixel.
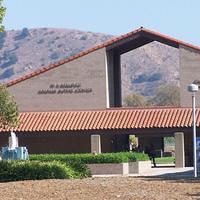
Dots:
pixel 91 158
pixel 136 156
pixel 34 170
pixel 60 166
pixel 80 170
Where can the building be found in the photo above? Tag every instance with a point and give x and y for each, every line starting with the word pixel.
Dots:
pixel 91 80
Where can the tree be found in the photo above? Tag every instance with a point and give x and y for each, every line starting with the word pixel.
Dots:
pixel 167 95
pixel 135 100
pixel 2 14
pixel 134 141
pixel 8 109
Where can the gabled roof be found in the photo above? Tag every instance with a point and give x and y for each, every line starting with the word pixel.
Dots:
pixel 113 43
pixel 109 119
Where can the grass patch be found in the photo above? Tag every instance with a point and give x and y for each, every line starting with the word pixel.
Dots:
pixel 165 160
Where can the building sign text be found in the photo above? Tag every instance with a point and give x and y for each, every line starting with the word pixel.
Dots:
pixel 65 88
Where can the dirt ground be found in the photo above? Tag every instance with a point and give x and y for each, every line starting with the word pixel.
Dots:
pixel 125 188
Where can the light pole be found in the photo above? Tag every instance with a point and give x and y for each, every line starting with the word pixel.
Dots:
pixel 194 88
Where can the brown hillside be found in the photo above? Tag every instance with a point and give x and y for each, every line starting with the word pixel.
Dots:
pixel 143 69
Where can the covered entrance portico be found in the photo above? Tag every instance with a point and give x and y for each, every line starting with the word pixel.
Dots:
pixel 71 131
pixel 183 142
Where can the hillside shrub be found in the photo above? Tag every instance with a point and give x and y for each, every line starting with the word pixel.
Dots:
pixel 2 39
pixel 40 41
pixel 135 100
pixel 140 79
pixel 154 77
pixel 75 51
pixel 148 78
pixel 22 34
pixel 34 170
pixel 57 38
pixel 7 73
pixel 9 59
pixel 60 45
pixel 54 56
pixel 83 37
pixel 166 95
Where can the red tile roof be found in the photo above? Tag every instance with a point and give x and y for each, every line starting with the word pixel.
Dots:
pixel 105 44
pixel 109 119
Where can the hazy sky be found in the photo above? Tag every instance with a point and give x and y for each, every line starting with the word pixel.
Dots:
pixel 176 18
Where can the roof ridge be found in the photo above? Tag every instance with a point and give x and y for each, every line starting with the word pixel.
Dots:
pixel 113 109
pixel 94 48
pixel 187 44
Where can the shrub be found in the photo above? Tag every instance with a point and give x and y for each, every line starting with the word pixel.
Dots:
pixel 75 51
pixel 91 158
pixel 135 100
pixel 83 37
pixel 54 56
pixel 148 78
pixel 40 41
pixel 34 170
pixel 60 45
pixel 167 95
pixel 80 170
pixel 57 38
pixel 7 73
pixel 23 34
pixel 154 77
pixel 140 79
pixel 2 39
pixel 10 58
pixel 78 161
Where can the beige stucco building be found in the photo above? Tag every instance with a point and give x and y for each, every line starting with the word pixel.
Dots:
pixel 92 79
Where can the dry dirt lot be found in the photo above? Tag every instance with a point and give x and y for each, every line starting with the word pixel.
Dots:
pixel 124 188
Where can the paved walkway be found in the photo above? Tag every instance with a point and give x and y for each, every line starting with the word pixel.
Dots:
pixel 167 171
pixel 161 171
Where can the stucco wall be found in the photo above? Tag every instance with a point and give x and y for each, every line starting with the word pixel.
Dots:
pixel 79 84
pixel 189 71
pixel 57 142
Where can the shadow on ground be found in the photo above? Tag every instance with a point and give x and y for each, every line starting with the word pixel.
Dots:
pixel 178 177
pixel 182 177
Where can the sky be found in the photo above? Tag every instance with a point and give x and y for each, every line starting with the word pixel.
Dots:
pixel 177 18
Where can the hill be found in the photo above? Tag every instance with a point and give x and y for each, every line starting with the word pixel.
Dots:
pixel 143 70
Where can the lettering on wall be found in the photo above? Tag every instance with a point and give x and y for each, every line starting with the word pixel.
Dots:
pixel 65 88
